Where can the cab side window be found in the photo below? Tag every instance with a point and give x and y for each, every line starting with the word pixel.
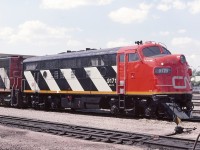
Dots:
pixel 121 58
pixel 133 57
pixel 165 51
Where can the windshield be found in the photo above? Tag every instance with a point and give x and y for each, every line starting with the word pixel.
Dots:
pixel 154 51
pixel 166 51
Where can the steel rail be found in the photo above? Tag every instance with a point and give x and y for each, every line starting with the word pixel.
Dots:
pixel 196 103
pixel 195 144
pixel 94 134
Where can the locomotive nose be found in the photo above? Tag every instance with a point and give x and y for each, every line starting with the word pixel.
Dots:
pixel 171 60
pixel 190 72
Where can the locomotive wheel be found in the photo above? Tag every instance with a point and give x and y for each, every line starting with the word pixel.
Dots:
pixel 46 104
pixel 34 105
pixel 1 101
pixel 53 106
pixel 114 110
pixel 148 112
pixel 161 114
pixel 73 109
pixel 189 106
pixel 55 103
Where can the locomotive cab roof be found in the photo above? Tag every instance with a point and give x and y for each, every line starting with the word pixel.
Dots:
pixel 92 52
pixel 72 54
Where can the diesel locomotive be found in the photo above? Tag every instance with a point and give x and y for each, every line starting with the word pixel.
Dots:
pixel 143 80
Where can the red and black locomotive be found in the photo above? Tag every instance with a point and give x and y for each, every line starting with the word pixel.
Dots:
pixel 143 80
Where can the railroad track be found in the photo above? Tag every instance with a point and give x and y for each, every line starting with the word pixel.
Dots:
pixel 196 102
pixel 101 135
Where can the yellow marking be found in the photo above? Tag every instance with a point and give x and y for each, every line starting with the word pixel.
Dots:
pixel 6 90
pixel 102 93
pixel 152 93
pixel 70 92
pixel 107 93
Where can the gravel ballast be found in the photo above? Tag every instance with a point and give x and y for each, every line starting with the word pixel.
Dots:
pixel 17 139
pixel 147 126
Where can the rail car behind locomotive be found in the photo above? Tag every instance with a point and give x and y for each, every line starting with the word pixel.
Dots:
pixel 143 80
pixel 10 78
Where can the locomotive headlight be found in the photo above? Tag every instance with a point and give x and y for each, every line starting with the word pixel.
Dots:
pixel 159 70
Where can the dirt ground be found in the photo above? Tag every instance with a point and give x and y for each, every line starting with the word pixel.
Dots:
pixel 19 139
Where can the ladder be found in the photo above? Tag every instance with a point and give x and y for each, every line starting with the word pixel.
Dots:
pixel 121 101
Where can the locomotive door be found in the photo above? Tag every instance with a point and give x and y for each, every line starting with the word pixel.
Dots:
pixel 121 71
pixel 128 65
pixel 134 71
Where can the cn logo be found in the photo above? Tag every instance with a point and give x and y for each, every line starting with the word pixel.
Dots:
pixel 183 79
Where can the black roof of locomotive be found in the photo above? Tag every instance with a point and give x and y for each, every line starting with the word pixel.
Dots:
pixel 74 54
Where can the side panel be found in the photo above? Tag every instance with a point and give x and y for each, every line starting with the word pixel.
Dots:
pixel 87 80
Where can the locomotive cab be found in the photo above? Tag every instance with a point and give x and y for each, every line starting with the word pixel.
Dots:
pixel 154 81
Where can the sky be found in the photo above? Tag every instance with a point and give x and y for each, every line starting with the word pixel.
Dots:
pixel 44 27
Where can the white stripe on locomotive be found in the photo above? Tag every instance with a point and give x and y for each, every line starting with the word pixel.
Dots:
pixel 31 81
pixel 5 78
pixel 72 80
pixel 115 68
pixel 53 86
pixel 97 79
